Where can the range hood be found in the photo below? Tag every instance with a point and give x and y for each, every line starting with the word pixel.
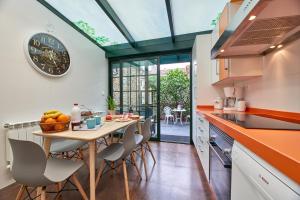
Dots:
pixel 274 24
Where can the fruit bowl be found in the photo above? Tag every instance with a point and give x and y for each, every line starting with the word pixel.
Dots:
pixel 54 127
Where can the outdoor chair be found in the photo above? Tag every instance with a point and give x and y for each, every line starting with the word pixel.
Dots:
pixel 31 168
pixel 168 114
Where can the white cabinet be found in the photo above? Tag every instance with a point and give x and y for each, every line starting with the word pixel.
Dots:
pixel 202 138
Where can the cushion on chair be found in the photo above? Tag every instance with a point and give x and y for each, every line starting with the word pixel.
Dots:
pixel 58 170
pixel 59 146
pixel 112 153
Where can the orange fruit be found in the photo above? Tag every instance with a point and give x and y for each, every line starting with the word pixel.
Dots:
pixel 50 121
pixel 43 119
pixel 59 127
pixel 63 118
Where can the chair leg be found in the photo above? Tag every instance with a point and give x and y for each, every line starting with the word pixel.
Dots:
pixel 126 180
pixel 134 164
pixel 20 193
pixel 43 193
pixel 58 189
pixel 100 172
pixel 144 161
pixel 79 187
pixel 149 147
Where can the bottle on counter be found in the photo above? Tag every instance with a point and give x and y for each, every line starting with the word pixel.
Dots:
pixel 75 117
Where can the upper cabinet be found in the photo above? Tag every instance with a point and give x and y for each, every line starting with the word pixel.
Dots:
pixel 226 71
pixel 256 27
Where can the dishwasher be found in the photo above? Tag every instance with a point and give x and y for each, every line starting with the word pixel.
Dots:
pixel 255 179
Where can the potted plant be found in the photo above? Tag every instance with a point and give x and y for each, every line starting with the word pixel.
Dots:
pixel 111 105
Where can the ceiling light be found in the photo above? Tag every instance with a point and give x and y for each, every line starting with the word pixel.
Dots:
pixel 279 46
pixel 222 50
pixel 252 17
pixel 272 47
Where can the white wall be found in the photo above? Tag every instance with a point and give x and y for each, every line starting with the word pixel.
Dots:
pixel 25 93
pixel 279 87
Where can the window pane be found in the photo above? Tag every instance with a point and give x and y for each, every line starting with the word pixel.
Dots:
pixel 134 83
pixel 116 84
pixel 125 99
pixel 90 18
pixel 144 19
pixel 126 69
pixel 195 15
pixel 116 70
pixel 116 96
pixel 126 84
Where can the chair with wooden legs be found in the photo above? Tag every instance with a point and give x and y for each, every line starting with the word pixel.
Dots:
pixel 31 169
pixel 68 149
pixel 142 140
pixel 119 152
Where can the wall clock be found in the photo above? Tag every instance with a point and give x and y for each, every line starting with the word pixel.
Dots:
pixel 48 55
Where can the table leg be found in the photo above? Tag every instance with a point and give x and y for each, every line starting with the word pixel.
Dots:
pixel 139 126
pixel 47 145
pixel 92 157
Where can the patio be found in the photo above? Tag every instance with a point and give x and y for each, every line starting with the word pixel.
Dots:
pixel 175 132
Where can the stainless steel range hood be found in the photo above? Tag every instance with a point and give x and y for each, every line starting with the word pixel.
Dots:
pixel 277 22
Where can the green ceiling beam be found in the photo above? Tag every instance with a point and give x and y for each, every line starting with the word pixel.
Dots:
pixel 171 25
pixel 153 47
pixel 61 16
pixel 116 20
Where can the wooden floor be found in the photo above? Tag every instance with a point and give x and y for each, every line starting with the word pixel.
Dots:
pixel 177 175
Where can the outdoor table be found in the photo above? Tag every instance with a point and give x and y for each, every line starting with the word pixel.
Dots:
pixel 89 136
pixel 180 115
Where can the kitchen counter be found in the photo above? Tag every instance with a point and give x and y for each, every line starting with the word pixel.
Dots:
pixel 280 148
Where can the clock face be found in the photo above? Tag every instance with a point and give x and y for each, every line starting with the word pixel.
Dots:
pixel 48 55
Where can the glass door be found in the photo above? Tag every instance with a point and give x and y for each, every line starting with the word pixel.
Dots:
pixel 135 87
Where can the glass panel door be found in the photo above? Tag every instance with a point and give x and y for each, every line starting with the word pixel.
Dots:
pixel 134 86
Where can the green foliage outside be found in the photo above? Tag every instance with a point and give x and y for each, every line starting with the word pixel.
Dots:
pixel 175 89
pixel 85 27
pixel 214 21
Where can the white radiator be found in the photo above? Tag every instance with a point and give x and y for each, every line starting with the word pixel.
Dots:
pixel 21 131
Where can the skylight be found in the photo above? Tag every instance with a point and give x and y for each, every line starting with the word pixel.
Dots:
pixel 89 17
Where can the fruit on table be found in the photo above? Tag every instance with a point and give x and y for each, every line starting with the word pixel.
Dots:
pixel 52 114
pixel 63 118
pixel 54 120
pixel 108 117
pixel 59 127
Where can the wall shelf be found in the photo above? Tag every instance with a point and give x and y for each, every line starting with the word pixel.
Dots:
pixel 234 79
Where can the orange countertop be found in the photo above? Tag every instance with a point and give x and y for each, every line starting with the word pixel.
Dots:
pixel 280 148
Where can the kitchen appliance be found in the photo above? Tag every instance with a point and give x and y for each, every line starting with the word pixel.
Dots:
pixel 241 105
pixel 229 103
pixel 253 178
pixel 257 26
pixel 218 103
pixel 220 146
pixel 251 121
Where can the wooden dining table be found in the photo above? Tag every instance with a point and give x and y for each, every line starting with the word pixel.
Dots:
pixel 90 136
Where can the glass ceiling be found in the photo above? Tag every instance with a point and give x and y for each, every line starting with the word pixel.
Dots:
pixel 89 17
pixel 144 19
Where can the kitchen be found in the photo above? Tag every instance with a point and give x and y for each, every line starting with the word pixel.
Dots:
pixel 245 113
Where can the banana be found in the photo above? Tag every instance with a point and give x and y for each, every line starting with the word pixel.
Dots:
pixel 52 114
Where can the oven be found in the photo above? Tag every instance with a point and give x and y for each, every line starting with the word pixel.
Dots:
pixel 220 145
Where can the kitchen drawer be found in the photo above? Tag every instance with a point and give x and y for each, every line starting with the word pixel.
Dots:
pixel 203 153
pixel 201 121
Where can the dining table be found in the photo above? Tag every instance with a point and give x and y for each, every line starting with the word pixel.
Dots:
pixel 90 136
pixel 180 111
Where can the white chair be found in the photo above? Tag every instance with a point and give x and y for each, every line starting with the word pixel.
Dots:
pixel 168 114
